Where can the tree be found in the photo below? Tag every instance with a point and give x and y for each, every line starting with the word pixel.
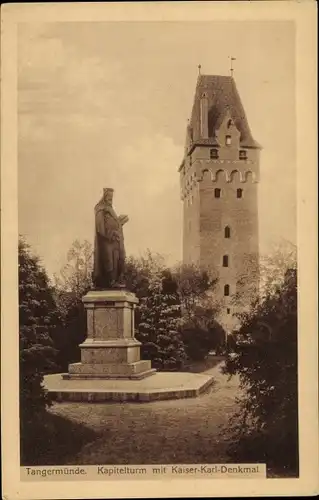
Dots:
pixel 160 318
pixel 200 331
pixel 73 281
pixel 139 272
pixel 75 277
pixel 38 321
pixel 269 274
pixel 266 425
pixel 195 287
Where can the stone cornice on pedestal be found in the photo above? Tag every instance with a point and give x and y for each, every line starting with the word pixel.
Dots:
pixel 131 342
pixel 102 296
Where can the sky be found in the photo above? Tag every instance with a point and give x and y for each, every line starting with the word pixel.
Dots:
pixel 105 104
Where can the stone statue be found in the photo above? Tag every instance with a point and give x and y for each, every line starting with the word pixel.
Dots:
pixel 109 252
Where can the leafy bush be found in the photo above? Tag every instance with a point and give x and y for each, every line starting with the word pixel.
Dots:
pixel 72 333
pixel 38 321
pixel 196 341
pixel 200 339
pixel 160 316
pixel 266 426
pixel 190 290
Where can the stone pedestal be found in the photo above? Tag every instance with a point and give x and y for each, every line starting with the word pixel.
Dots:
pixel 110 350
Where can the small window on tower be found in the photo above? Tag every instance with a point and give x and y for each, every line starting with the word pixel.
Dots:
pixel 239 193
pixel 217 193
pixel 228 310
pixel 225 260
pixel 213 154
pixel 227 232
pixel 243 154
pixel 228 140
pixel 226 290
pixel 190 160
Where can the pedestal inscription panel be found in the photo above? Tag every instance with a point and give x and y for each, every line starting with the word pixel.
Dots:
pixel 106 323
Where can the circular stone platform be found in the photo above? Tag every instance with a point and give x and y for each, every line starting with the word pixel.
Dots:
pixel 162 385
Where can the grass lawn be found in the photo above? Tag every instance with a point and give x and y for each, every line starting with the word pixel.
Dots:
pixel 67 429
pixel 174 431
pixel 55 440
pixel 203 366
pixel 193 430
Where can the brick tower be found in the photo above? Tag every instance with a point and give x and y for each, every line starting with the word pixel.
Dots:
pixel 218 178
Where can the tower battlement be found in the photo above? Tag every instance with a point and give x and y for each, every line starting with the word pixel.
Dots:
pixel 211 169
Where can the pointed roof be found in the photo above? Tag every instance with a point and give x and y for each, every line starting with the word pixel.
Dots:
pixel 222 95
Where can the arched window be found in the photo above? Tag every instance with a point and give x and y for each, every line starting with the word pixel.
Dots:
pixel 225 260
pixel 217 192
pixel 228 310
pixel 213 154
pixel 227 232
pixel 239 193
pixel 226 290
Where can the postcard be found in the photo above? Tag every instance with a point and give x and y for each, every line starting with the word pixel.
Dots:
pixel 158 250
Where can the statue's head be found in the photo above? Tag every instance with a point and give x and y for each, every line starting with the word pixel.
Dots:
pixel 108 195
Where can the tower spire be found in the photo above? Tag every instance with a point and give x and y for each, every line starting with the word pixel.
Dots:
pixel 199 68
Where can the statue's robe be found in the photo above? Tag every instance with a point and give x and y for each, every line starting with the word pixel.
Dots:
pixel 109 252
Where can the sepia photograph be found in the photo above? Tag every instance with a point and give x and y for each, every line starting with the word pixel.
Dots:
pixel 157 266
pixel 147 315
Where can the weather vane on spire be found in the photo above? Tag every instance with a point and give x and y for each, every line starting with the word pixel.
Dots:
pixel 199 68
pixel 231 65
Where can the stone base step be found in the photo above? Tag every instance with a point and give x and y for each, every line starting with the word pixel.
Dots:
pixel 136 370
pixel 79 376
pixel 160 386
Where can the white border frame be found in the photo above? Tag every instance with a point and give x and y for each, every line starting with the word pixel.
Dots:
pixel 304 15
